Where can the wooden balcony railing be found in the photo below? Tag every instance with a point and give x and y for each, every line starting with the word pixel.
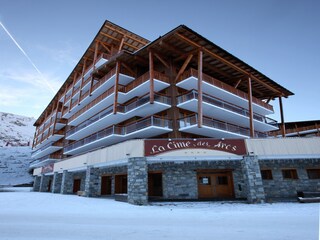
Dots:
pixel 194 73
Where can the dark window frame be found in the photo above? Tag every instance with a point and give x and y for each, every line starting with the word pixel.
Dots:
pixel 313 173
pixel 290 174
pixel 266 174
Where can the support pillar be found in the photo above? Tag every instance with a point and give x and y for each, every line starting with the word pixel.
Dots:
pixel 44 183
pixel 56 183
pixel 138 181
pixel 250 108
pixel 200 113
pixel 66 182
pixel 253 179
pixel 36 183
pixel 283 127
pixel 92 182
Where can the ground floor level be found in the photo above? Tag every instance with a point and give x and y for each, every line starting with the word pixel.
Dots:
pixel 143 179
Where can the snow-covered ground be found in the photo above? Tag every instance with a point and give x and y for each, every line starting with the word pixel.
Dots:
pixel 30 215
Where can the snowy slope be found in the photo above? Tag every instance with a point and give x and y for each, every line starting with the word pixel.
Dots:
pixel 14 166
pixel 16 133
pixel 16 130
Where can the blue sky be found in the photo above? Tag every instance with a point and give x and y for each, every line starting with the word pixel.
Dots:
pixel 279 38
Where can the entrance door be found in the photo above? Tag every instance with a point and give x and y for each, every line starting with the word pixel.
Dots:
pixel 215 185
pixel 120 184
pixel 155 184
pixel 76 185
pixel 106 185
pixel 49 185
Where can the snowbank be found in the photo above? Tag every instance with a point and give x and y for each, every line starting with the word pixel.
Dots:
pixel 30 215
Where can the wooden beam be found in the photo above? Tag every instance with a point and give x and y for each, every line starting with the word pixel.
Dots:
pixel 141 59
pixel 128 36
pixel 157 55
pixel 283 127
pixel 168 46
pixel 116 88
pixel 151 71
pixel 105 46
pixel 82 79
pixel 121 44
pixel 184 66
pixel 73 83
pixel 221 59
pixel 129 69
pixel 250 108
pixel 200 113
pixel 237 84
pixel 95 55
pixel 269 99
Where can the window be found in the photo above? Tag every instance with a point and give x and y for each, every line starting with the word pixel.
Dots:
pixel 289 174
pixel 204 180
pixel 313 173
pixel 222 180
pixel 266 174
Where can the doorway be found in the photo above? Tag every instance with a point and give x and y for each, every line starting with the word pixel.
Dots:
pixel 106 182
pixel 76 185
pixel 155 184
pixel 120 183
pixel 49 185
pixel 215 185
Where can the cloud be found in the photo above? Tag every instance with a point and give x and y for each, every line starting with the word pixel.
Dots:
pixel 30 78
pixel 64 55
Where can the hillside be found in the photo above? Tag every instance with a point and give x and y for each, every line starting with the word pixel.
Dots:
pixel 16 133
pixel 16 130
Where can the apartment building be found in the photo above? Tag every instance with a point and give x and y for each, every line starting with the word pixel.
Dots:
pixel 181 91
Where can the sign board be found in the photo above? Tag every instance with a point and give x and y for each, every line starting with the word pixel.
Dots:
pixel 154 147
pixel 47 169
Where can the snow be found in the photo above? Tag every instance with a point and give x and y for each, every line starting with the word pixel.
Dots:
pixel 33 215
pixel 16 130
pixel 14 166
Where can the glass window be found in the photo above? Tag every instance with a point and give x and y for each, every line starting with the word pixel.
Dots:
pixel 313 173
pixel 205 180
pixel 222 180
pixel 289 174
pixel 266 174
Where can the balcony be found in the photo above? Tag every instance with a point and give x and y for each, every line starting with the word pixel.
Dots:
pixel 214 128
pixel 139 87
pixel 221 110
pixel 144 128
pixel 51 136
pixel 46 160
pixel 140 107
pixel 214 87
pixel 51 147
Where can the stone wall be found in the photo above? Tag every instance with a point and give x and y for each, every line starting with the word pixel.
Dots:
pixel 56 183
pixel 137 181
pixel 44 183
pixel 36 183
pixel 253 180
pixel 180 177
pixel 287 188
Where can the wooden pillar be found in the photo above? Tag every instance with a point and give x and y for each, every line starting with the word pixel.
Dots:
pixel 73 83
pixel 82 79
pixel 250 107
pixel 151 71
pixel 283 128
pixel 116 88
pixel 95 55
pixel 200 114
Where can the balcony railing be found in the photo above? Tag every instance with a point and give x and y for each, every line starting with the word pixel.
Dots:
pixel 213 123
pixel 193 94
pixel 93 103
pixel 138 81
pixel 51 144
pixel 194 73
pixel 121 130
pixel 120 108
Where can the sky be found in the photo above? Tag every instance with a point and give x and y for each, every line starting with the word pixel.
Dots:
pixel 281 39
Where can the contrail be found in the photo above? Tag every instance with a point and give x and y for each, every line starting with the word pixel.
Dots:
pixel 26 55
